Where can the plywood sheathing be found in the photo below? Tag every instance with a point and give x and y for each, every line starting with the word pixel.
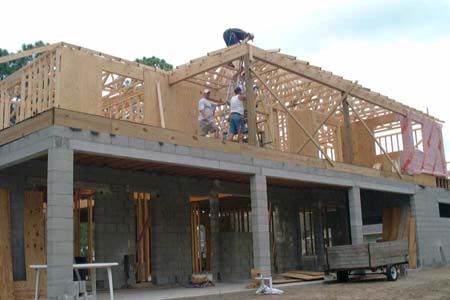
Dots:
pixel 398 224
pixel 6 276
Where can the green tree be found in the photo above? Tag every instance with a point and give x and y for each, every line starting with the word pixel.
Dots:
pixel 12 66
pixel 155 62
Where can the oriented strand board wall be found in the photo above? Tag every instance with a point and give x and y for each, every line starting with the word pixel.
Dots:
pixel 6 277
pixel 80 82
pixel 184 107
pixel 179 103
pixel 35 242
pixel 80 89
pixel 363 145
pixel 297 137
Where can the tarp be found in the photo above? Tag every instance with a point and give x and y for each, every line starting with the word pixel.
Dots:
pixel 431 160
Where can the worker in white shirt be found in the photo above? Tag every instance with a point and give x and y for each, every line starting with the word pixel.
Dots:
pixel 237 123
pixel 206 110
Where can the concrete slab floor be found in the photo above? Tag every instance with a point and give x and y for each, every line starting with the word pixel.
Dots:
pixel 182 292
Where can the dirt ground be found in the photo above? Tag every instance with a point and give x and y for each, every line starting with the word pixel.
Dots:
pixel 425 284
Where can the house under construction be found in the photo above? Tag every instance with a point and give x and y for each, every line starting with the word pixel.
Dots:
pixel 100 158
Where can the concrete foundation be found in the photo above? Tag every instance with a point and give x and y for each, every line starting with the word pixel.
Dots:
pixel 234 253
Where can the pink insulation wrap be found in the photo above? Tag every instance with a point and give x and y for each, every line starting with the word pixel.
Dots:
pixel 432 159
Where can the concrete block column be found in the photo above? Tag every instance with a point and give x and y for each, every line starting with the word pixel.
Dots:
pixel 260 224
pixel 17 194
pixel 59 223
pixel 356 224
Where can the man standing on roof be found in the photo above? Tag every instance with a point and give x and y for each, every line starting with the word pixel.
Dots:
pixel 237 123
pixel 206 111
pixel 234 36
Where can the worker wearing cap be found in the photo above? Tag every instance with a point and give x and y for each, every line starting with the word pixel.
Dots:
pixel 237 123
pixel 234 36
pixel 206 111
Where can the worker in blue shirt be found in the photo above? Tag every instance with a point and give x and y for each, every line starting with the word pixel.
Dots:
pixel 234 36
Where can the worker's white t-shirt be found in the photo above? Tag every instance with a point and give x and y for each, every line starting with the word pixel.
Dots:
pixel 208 107
pixel 236 105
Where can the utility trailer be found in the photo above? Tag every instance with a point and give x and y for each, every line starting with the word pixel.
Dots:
pixel 380 258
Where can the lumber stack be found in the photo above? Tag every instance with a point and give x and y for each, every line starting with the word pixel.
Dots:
pixel 298 276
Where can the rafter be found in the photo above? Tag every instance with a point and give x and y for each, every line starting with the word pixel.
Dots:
pixel 207 63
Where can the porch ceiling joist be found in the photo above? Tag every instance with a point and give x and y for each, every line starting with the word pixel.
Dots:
pixel 206 63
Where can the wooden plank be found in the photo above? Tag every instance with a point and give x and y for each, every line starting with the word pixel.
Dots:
pixel 412 244
pixel 282 281
pixel 348 257
pixel 82 121
pixel 6 274
pixel 80 82
pixel 26 53
pixel 24 128
pixel 160 106
pixel 76 222
pixel 310 273
pixel 146 239
pixel 250 102
pixel 34 236
pixel 302 277
pixel 386 253
pixel 206 63
pixel 90 208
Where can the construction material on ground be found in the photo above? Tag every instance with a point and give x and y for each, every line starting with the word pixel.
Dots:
pixel 255 274
pixel 201 280
pixel 298 276
pixel 302 277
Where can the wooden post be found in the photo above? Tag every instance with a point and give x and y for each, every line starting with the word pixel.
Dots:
pixel 90 221
pixel 76 225
pixel 347 152
pixel 146 238
pixel 251 107
pixel 160 105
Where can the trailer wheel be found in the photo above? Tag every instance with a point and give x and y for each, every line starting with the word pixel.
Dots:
pixel 392 273
pixel 342 276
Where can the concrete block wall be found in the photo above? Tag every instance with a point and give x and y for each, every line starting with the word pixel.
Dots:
pixel 287 228
pixel 433 232
pixel 115 231
pixel 171 233
pixel 236 257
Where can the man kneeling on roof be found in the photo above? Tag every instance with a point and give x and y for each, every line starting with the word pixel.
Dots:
pixel 234 36
pixel 206 115
pixel 237 122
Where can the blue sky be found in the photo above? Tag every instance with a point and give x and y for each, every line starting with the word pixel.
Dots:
pixel 398 48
